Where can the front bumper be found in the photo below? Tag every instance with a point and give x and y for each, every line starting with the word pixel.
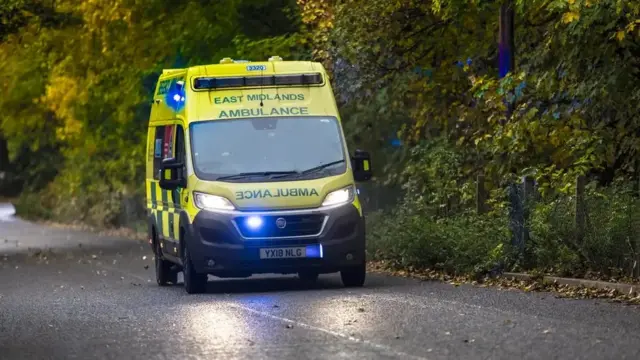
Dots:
pixel 221 240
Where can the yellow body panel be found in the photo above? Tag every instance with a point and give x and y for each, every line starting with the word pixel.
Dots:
pixel 225 104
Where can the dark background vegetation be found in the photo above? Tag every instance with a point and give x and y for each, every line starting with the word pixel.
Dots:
pixel 417 84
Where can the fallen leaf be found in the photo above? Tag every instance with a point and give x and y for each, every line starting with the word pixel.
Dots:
pixel 289 326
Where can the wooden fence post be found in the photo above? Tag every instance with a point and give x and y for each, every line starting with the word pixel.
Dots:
pixel 580 209
pixel 481 195
pixel 516 216
pixel 529 197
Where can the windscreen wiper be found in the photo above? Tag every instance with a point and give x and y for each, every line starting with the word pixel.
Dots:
pixel 256 173
pixel 321 167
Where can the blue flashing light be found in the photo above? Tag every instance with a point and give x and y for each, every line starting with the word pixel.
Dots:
pixel 315 251
pixel 175 97
pixel 254 222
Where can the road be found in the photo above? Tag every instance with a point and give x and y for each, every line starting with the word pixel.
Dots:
pixel 92 297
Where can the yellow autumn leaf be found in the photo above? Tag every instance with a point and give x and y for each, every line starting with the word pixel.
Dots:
pixel 620 35
pixel 570 17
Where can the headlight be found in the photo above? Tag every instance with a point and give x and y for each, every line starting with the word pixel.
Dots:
pixel 342 196
pixel 212 202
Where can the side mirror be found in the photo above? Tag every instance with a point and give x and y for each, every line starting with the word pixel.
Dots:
pixel 171 176
pixel 361 162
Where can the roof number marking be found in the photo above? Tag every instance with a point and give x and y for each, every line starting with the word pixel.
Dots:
pixel 256 67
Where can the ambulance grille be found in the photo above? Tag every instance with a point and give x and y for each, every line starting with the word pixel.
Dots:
pixel 295 225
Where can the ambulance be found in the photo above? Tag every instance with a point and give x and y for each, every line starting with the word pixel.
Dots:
pixel 248 172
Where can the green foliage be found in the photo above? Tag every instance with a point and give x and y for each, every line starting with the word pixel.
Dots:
pixel 569 117
pixel 432 179
pixel 457 245
pixel 574 100
pixel 611 245
pixel 77 79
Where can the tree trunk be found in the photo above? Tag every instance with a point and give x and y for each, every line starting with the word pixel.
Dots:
pixel 4 154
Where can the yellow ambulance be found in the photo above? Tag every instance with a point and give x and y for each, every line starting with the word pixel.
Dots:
pixel 248 172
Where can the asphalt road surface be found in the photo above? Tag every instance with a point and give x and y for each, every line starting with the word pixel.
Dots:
pixel 91 297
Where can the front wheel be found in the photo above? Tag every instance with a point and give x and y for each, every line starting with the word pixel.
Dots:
pixel 354 276
pixel 194 283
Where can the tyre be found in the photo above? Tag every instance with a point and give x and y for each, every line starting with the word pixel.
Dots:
pixel 194 283
pixel 308 276
pixel 164 274
pixel 354 276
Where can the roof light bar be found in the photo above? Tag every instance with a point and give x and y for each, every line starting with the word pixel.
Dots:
pixel 251 81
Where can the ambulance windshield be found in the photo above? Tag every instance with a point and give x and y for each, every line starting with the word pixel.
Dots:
pixel 267 149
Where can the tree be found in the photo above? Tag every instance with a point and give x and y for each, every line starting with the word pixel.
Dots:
pixel 428 70
pixel 73 129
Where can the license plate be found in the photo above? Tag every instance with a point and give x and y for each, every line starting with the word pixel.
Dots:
pixel 283 253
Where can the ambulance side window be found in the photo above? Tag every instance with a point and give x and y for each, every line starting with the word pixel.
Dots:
pixel 157 151
pixel 180 148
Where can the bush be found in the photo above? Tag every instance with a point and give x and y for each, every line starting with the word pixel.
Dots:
pixel 96 203
pixel 611 241
pixel 31 206
pixel 463 244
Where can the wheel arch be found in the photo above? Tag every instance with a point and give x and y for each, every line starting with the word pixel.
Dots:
pixel 184 232
pixel 153 232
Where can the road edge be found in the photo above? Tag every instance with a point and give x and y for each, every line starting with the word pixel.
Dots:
pixel 623 288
